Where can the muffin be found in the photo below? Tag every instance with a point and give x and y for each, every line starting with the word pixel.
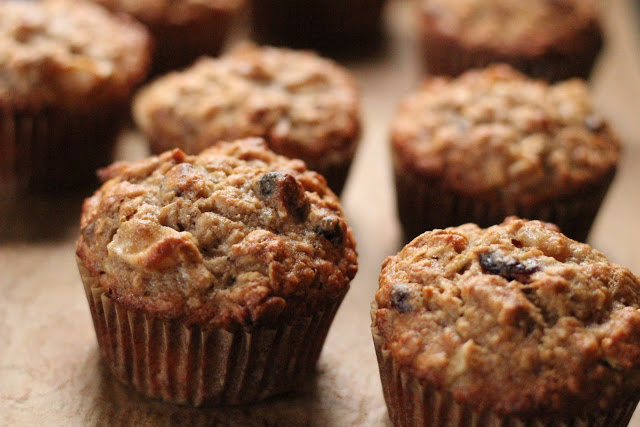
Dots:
pixel 304 106
pixel 67 70
pixel 213 279
pixel 549 39
pixel 332 26
pixel 494 143
pixel 515 325
pixel 183 30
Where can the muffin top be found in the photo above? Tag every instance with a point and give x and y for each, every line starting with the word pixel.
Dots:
pixel 303 105
pixel 175 12
pixel 69 54
pixel 533 26
pixel 234 236
pixel 516 318
pixel 497 133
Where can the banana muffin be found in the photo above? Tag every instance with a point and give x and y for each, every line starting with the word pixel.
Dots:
pixel 549 39
pixel 494 143
pixel 305 107
pixel 515 324
pixel 183 30
pixel 332 26
pixel 67 70
pixel 213 279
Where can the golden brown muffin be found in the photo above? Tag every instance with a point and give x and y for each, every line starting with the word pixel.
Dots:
pixel 67 70
pixel 234 261
pixel 549 39
pixel 494 143
pixel 515 324
pixel 183 30
pixel 305 107
pixel 332 26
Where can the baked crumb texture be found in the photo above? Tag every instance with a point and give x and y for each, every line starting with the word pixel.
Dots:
pixel 67 70
pixel 183 30
pixel 233 262
pixel 71 55
pixel 549 39
pixel 304 106
pixel 513 321
pixel 494 143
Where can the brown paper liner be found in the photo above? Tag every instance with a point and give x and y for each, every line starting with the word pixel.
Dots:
pixel 424 204
pixel 325 25
pixel 412 402
pixel 178 46
pixel 446 55
pixel 166 359
pixel 55 150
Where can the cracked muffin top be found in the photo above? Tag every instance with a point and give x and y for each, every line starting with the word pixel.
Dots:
pixel 305 106
pixel 514 25
pixel 496 131
pixel 234 236
pixel 70 54
pixel 517 318
pixel 175 12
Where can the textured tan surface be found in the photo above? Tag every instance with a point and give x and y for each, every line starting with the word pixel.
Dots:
pixel 50 372
pixel 497 131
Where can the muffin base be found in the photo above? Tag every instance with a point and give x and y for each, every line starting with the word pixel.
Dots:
pixel 169 360
pixel 412 402
pixel 326 25
pixel 425 204
pixel 55 150
pixel 446 55
pixel 178 46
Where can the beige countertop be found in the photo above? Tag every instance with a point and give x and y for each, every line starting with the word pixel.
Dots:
pixel 50 369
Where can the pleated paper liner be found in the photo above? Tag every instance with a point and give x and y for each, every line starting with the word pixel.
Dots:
pixel 412 403
pixel 54 150
pixel 423 204
pixel 191 365
pixel 446 55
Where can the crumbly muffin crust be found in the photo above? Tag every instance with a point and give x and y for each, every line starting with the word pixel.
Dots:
pixel 303 105
pixel 509 26
pixel 174 12
pixel 496 133
pixel 516 319
pixel 70 54
pixel 234 236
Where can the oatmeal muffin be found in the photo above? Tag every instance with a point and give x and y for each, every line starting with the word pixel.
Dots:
pixel 325 25
pixel 67 69
pixel 183 30
pixel 213 279
pixel 515 324
pixel 305 106
pixel 494 143
pixel 549 39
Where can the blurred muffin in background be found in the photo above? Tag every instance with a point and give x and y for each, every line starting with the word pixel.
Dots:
pixel 329 26
pixel 548 39
pixel 67 70
pixel 304 106
pixel 183 30
pixel 493 143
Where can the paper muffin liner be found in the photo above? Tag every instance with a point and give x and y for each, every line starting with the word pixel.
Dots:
pixel 327 25
pixel 445 55
pixel 169 360
pixel 54 150
pixel 424 204
pixel 178 46
pixel 414 402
